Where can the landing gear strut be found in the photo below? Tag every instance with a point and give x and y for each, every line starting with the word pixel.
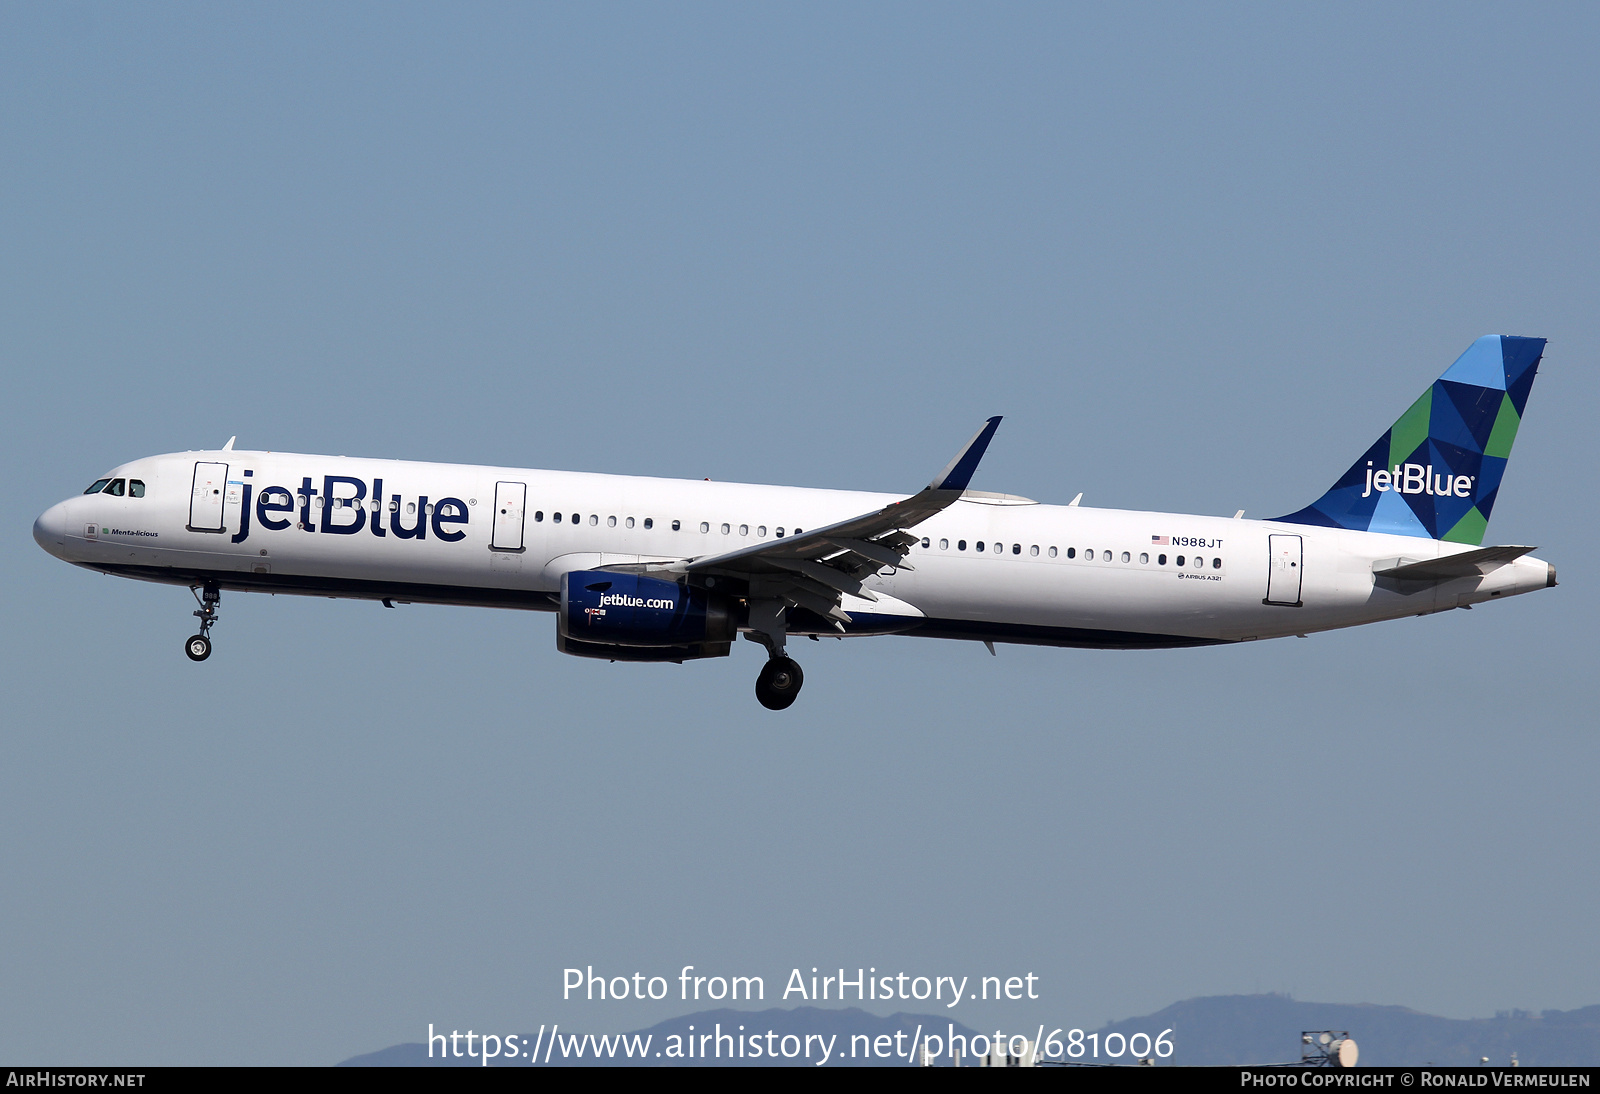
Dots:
pixel 779 683
pixel 198 646
pixel 780 679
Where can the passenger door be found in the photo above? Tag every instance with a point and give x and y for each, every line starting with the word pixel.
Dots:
pixel 1284 574
pixel 205 500
pixel 510 501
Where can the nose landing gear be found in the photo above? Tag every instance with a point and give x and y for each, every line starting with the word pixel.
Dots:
pixel 779 683
pixel 198 646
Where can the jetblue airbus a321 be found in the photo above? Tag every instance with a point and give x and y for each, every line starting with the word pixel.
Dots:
pixel 639 569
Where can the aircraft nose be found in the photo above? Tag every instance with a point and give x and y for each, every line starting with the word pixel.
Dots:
pixel 50 530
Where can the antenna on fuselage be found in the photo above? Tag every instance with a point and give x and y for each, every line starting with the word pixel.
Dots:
pixel 229 446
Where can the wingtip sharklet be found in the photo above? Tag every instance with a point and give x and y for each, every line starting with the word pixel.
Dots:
pixel 960 470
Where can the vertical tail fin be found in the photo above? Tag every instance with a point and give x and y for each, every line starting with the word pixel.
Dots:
pixel 1436 472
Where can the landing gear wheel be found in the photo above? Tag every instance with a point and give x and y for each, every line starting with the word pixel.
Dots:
pixel 198 647
pixel 779 683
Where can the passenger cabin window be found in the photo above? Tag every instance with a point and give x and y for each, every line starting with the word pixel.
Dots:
pixel 1053 552
pixel 593 520
pixel 961 545
pixel 944 545
pixel 611 522
pixel 538 516
pixel 925 542
pixel 705 527
pixel 744 529
pixel 556 517
pixel 1216 564
pixel 1108 556
pixel 676 525
pixel 649 522
pixel 1161 560
pixel 97 486
pixel 575 518
pixel 630 522
pixel 1180 560
pixel 980 546
pixel 761 531
pixel 1016 549
pixel 780 533
pixel 1033 551
pixel 1126 557
pixel 1144 558
pixel 1072 552
pixel 726 529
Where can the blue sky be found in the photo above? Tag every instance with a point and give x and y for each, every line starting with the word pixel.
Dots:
pixel 1200 259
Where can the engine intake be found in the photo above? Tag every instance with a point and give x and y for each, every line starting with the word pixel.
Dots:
pixel 628 617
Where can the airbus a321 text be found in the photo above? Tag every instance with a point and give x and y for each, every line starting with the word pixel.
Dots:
pixel 643 569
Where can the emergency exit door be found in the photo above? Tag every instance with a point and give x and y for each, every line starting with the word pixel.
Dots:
pixel 1283 577
pixel 510 498
pixel 205 500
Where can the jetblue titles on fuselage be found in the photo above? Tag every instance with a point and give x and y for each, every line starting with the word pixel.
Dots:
pixel 344 508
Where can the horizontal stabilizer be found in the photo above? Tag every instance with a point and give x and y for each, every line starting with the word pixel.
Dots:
pixel 1466 564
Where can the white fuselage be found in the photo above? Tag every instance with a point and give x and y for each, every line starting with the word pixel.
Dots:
pixel 988 567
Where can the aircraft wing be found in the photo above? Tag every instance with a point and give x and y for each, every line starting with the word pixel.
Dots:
pixel 815 569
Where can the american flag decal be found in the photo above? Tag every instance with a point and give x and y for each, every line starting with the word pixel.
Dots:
pixel 1161 541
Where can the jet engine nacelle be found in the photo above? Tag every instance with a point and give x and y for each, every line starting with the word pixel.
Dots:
pixel 629 617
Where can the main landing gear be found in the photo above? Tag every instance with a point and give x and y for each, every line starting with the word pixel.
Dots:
pixel 779 683
pixel 198 646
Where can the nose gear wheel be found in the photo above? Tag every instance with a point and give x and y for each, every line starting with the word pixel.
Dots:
pixel 198 646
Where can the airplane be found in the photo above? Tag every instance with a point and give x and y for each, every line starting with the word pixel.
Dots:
pixel 650 569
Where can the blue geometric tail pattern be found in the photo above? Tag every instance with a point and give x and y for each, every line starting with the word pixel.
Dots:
pixel 1436 472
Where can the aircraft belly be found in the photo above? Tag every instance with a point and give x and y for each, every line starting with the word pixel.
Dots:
pixel 1057 594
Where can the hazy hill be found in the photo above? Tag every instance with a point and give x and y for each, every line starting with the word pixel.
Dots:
pixel 1261 1029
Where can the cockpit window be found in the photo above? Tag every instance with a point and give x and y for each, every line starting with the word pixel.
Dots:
pixel 116 488
pixel 136 488
pixel 99 485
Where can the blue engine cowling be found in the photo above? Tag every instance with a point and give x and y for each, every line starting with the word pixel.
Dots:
pixel 628 617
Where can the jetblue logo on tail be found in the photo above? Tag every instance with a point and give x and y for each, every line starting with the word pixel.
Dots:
pixel 1436 472
pixel 1413 478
